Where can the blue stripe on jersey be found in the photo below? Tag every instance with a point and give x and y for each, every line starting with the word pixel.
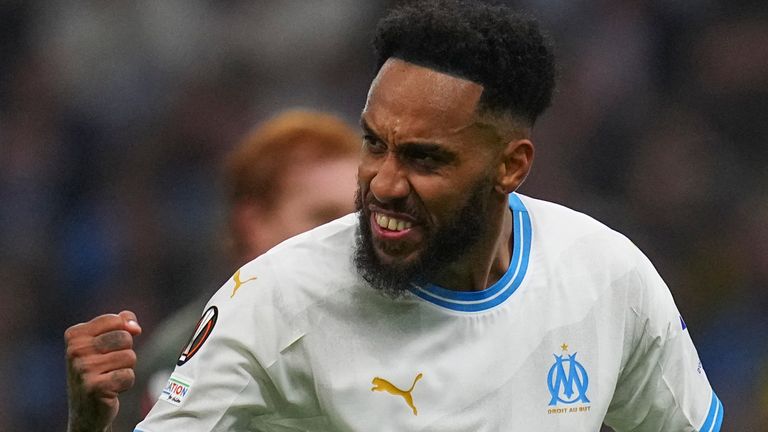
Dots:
pixel 476 301
pixel 714 417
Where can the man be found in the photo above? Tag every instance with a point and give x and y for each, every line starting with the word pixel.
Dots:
pixel 448 302
pixel 267 204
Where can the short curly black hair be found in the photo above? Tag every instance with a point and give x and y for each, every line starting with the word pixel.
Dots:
pixel 501 50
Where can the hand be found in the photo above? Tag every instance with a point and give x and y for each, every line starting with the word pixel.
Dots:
pixel 100 362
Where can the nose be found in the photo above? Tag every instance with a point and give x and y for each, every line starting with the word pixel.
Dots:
pixel 390 183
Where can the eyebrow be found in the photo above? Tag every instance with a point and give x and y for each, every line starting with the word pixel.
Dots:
pixel 367 129
pixel 406 148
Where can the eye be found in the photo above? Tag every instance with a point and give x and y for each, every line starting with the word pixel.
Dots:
pixel 374 145
pixel 423 159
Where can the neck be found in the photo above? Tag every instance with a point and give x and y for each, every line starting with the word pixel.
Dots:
pixel 487 261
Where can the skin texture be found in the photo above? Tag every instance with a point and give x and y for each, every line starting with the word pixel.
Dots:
pixel 426 149
pixel 100 362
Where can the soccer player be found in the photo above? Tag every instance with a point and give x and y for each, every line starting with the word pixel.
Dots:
pixel 448 301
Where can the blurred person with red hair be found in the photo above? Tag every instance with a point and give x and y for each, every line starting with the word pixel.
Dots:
pixel 292 173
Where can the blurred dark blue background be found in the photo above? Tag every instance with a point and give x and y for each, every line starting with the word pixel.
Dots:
pixel 114 115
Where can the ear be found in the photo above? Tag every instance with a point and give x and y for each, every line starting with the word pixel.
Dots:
pixel 514 166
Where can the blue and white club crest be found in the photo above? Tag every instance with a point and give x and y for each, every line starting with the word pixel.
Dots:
pixel 567 379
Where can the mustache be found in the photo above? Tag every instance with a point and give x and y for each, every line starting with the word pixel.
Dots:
pixel 364 201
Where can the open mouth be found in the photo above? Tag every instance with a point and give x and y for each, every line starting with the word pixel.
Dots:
pixel 390 223
pixel 395 237
pixel 394 230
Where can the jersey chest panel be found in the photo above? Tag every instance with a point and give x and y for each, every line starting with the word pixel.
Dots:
pixel 412 366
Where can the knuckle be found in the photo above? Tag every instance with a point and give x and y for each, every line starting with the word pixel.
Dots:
pixel 106 319
pixel 126 314
pixel 123 359
pixel 82 366
pixel 75 365
pixel 91 384
pixel 71 352
pixel 124 335
pixel 113 341
pixel 130 375
pixel 73 331
pixel 123 379
pixel 75 350
pixel 130 358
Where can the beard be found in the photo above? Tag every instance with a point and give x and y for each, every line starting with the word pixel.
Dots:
pixel 442 247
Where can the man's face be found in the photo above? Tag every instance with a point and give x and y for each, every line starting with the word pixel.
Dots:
pixel 425 175
pixel 311 194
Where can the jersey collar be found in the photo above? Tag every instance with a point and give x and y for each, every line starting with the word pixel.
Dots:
pixel 478 301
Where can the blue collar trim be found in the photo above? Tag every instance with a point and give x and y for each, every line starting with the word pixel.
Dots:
pixel 477 301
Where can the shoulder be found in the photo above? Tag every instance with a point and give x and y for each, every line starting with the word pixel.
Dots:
pixel 577 247
pixel 562 233
pixel 263 304
pixel 334 238
pixel 309 263
pixel 316 258
pixel 564 220
pixel 574 249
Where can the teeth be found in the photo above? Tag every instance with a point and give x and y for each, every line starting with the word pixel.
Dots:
pixel 391 223
pixel 382 220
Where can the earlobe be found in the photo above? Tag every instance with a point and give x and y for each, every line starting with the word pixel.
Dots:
pixel 515 164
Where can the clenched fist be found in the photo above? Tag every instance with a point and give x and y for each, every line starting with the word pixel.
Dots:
pixel 100 362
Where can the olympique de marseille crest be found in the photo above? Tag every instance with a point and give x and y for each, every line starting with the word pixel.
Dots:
pixel 567 380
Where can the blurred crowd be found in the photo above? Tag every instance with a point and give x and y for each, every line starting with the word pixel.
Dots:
pixel 114 117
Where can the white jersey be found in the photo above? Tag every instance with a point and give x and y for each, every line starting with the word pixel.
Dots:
pixel 580 330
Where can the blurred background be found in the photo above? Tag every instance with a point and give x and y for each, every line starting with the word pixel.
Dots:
pixel 114 117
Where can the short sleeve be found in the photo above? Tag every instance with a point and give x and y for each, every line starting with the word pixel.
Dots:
pixel 663 386
pixel 218 383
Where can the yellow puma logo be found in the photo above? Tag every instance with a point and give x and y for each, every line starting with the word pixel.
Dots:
pixel 238 283
pixel 380 384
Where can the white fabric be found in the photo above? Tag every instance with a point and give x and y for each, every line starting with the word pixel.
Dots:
pixel 302 346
